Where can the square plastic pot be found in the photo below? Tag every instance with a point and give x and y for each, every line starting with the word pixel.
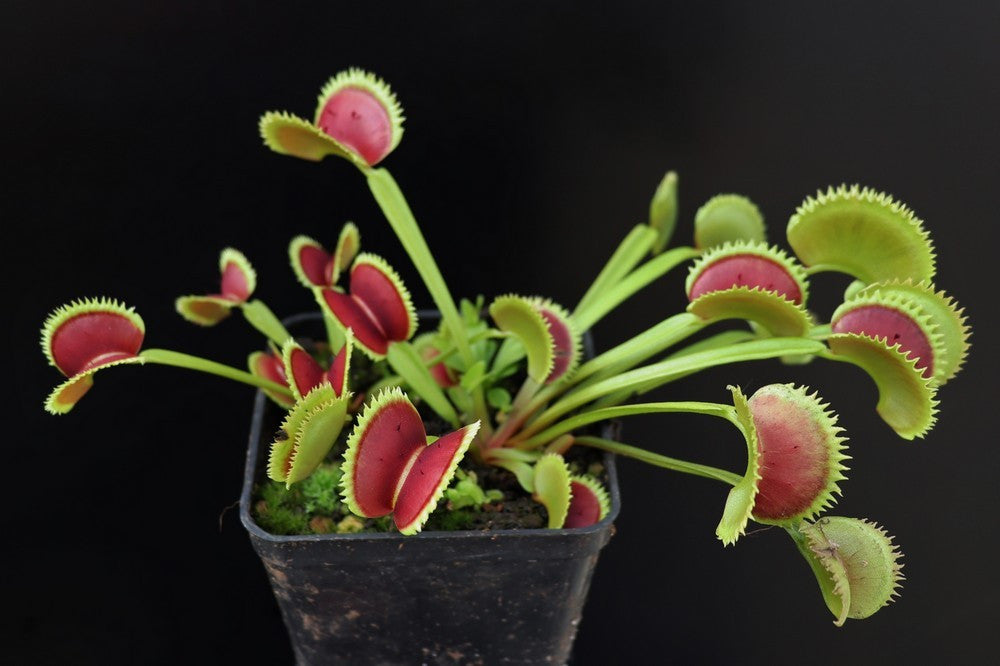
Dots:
pixel 463 597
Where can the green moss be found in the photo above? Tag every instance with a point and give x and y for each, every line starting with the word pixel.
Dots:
pixel 458 519
pixel 277 510
pixel 320 492
pixel 312 506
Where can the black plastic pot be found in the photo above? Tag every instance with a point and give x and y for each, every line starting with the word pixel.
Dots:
pixel 494 597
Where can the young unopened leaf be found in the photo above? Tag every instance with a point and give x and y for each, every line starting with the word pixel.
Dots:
pixel 663 211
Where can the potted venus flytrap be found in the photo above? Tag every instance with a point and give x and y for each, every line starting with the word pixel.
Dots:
pixel 511 406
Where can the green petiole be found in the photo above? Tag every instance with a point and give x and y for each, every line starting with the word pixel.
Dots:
pixel 821 332
pixel 651 376
pixel 335 336
pixel 624 356
pixel 723 339
pixel 649 343
pixel 180 360
pixel 658 460
pixel 727 412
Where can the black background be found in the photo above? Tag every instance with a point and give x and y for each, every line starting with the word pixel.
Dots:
pixel 536 133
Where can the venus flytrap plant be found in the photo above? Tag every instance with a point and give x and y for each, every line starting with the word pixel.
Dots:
pixel 92 334
pixel 238 282
pixel 508 382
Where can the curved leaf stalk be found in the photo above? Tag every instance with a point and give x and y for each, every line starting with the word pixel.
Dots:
pixel 820 332
pixel 632 352
pixel 587 417
pixel 657 374
pixel 658 460
pixel 723 339
pixel 180 360
pixel 335 337
pixel 623 357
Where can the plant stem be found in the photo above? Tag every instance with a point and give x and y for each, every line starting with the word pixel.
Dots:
pixel 628 253
pixel 397 211
pixel 264 320
pixel 180 360
pixel 657 374
pixel 666 462
pixel 625 288
pixel 723 339
pixel 623 357
pixel 593 416
pixel 632 352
